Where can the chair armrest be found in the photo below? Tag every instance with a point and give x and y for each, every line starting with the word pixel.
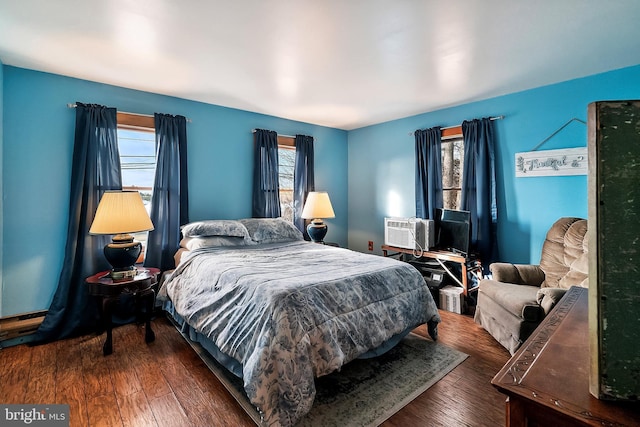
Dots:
pixel 519 274
pixel 549 297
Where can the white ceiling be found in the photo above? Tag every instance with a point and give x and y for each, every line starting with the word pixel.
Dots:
pixel 339 63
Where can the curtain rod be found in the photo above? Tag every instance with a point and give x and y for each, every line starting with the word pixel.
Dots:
pixel 451 127
pixel 285 136
pixel 133 114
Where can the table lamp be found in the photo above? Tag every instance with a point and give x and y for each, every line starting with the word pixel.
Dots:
pixel 121 213
pixel 317 207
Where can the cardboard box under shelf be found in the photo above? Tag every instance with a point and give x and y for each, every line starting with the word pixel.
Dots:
pixel 451 299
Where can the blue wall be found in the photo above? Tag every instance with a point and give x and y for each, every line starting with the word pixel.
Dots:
pixel 381 161
pixel 1 180
pixel 369 172
pixel 38 145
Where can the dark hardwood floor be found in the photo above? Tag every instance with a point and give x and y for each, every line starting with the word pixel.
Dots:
pixel 166 384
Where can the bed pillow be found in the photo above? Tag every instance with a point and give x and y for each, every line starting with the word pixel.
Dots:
pixel 197 242
pixel 218 227
pixel 271 230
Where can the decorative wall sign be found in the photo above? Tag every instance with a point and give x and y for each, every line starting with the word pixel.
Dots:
pixel 566 161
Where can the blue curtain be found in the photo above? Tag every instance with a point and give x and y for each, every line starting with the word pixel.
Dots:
pixel 428 172
pixel 170 201
pixel 95 169
pixel 303 179
pixel 266 190
pixel 479 186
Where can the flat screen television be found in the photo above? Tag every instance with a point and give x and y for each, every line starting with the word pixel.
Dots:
pixel 454 230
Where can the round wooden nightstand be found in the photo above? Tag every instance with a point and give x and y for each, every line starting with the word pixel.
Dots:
pixel 108 291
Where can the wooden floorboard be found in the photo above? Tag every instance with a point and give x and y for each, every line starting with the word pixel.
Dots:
pixel 166 384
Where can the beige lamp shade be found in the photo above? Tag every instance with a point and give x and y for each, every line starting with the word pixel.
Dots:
pixel 121 212
pixel 318 205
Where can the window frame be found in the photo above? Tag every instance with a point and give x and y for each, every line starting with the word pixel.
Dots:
pixel 135 121
pixel 448 135
pixel 286 143
pixel 141 123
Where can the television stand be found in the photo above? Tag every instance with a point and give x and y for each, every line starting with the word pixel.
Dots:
pixel 457 252
pixel 442 256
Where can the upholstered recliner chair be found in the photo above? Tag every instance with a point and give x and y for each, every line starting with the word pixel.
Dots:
pixel 512 304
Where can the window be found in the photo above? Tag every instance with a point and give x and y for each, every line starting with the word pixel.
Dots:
pixel 137 147
pixel 286 166
pixel 452 166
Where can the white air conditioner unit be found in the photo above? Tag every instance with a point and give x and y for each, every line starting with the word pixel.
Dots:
pixel 409 233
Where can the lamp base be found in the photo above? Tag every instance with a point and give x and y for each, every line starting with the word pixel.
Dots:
pixel 317 229
pixel 122 253
pixel 122 275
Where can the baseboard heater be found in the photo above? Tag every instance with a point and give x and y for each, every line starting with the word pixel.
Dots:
pixel 20 325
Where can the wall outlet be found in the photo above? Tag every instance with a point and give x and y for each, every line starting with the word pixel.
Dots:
pixel 370 245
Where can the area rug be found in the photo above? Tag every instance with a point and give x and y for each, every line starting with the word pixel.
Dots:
pixel 365 392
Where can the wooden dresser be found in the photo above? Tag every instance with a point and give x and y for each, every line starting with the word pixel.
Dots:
pixel 547 380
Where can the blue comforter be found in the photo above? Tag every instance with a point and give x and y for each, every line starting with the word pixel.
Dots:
pixel 290 312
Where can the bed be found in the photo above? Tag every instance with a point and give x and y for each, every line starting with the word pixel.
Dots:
pixel 279 311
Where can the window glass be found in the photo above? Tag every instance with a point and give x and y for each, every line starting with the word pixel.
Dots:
pixel 286 164
pixel 452 163
pixel 137 149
